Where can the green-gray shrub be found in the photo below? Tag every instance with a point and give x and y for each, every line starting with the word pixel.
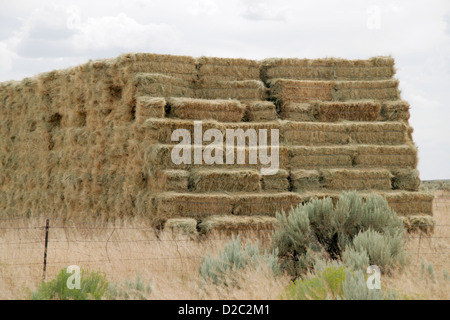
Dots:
pixel 136 289
pixel 93 286
pixel 318 227
pixel 354 259
pixel 233 257
pixel 355 287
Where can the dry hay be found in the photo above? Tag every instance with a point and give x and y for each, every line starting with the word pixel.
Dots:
pixel 172 180
pixel 419 223
pixel 350 110
pixel 157 85
pixel 310 133
pixel 193 205
pixel 265 203
pixel 183 67
pixel 379 133
pixel 245 90
pixel 202 109
pixel 160 130
pixel 181 225
pixel 149 107
pixel 307 90
pixel 301 91
pixel 231 224
pixel 351 179
pixel 225 69
pixel 260 111
pixel 404 156
pixel 394 111
pixel 277 182
pixel 410 203
pixel 225 180
pixel 376 68
pixel 405 179
pixel 305 180
pixel 321 157
pixel 297 111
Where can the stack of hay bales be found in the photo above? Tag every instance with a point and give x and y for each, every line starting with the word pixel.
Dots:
pixel 95 140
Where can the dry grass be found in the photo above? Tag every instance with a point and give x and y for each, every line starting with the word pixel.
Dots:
pixel 170 262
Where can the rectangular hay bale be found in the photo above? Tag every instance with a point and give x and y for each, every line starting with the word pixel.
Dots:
pixel 149 107
pixel 260 111
pixel 351 179
pixel 225 180
pixel 305 180
pixel 350 110
pixel 231 224
pixel 310 133
pixel 321 157
pixel 402 156
pixel 277 182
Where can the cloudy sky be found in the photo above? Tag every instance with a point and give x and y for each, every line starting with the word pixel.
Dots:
pixel 38 36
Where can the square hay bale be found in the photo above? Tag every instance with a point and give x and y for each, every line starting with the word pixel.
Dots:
pixel 394 111
pixel 245 90
pixel 405 179
pixel 226 69
pixel 321 157
pixel 300 91
pixel 160 130
pixel 297 69
pixel 172 180
pixel 278 182
pixel 225 180
pixel 192 205
pixel 410 203
pixel 310 133
pixel 149 107
pixel 183 67
pixel 360 90
pixel 268 204
pixel 181 225
pixel 350 110
pixel 157 85
pixel 351 179
pixel 404 156
pixel 297 112
pixel 202 109
pixel 234 224
pixel 305 180
pixel 376 68
pixel 283 157
pixel 380 133
pixel 419 223
pixel 260 111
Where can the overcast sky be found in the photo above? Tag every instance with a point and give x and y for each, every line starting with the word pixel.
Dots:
pixel 38 36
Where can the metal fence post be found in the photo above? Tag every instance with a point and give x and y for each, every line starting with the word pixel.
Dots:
pixel 47 223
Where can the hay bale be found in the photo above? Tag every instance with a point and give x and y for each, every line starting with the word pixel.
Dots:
pixel 410 203
pixel 394 111
pixel 181 225
pixel 225 69
pixel 350 110
pixel 201 109
pixel 277 182
pixel 149 107
pixel 359 90
pixel 404 156
pixel 300 91
pixel 419 223
pixel 260 111
pixel 307 90
pixel 171 205
pixel 376 68
pixel 297 112
pixel 382 133
pixel 405 179
pixel 305 180
pixel 157 85
pixel 309 133
pixel 246 90
pixel 172 180
pixel 321 157
pixel 232 224
pixel 225 180
pixel 264 203
pixel 351 179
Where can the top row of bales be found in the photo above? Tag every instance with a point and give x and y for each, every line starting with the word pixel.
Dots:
pixel 107 89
